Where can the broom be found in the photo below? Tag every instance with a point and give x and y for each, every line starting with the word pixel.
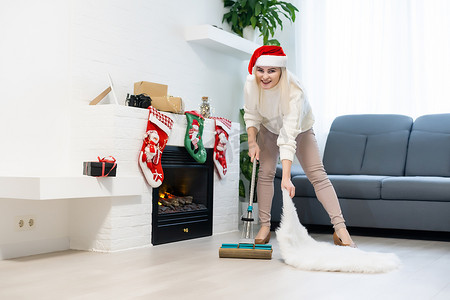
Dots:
pixel 246 248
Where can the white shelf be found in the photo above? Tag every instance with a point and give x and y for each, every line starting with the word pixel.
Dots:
pixel 220 40
pixel 49 188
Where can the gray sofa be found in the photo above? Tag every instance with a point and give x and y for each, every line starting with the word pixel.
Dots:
pixel 388 172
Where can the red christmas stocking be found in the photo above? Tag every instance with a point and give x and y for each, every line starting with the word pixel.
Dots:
pixel 223 130
pixel 159 127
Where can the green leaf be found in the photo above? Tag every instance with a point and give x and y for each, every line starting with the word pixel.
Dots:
pixel 252 4
pixel 238 31
pixel 242 112
pixel 245 164
pixel 290 9
pixel 275 14
pixel 243 138
pixel 241 189
pixel 227 17
pixel 272 25
pixel 248 20
pixel 273 42
pixel 227 3
pixel 286 15
pixel 253 21
pixel 257 9
pixel 264 30
pixel 234 19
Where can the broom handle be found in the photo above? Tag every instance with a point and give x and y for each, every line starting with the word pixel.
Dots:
pixel 252 185
pixel 247 226
pixel 250 201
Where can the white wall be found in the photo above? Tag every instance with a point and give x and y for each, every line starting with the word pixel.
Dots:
pixel 34 82
pixel 56 55
pixel 34 94
pixel 54 59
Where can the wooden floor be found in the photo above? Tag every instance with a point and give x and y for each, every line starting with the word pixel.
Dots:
pixel 192 270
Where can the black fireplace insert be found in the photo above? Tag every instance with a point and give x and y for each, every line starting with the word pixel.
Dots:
pixel 183 204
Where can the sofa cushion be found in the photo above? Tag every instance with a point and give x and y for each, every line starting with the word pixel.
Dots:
pixel 373 144
pixel 346 186
pixel 385 153
pixel 416 188
pixel 303 188
pixel 348 153
pixel 429 146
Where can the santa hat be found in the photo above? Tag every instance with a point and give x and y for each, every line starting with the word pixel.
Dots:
pixel 268 56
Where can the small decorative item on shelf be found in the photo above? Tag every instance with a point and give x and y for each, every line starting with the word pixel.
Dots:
pixel 141 100
pixel 159 97
pixel 104 167
pixel 205 108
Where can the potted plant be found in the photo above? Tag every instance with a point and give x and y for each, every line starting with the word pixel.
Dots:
pixel 261 14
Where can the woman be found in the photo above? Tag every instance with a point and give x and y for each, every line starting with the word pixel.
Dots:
pixel 279 122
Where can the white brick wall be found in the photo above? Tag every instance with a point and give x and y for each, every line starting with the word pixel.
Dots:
pixel 125 222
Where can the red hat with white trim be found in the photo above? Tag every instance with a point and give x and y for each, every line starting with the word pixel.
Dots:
pixel 268 56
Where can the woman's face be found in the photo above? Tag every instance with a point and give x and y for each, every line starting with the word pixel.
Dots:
pixel 268 77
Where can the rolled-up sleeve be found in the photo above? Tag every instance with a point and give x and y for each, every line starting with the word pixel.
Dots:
pixel 291 127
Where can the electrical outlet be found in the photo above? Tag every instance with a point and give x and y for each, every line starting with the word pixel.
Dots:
pixel 23 223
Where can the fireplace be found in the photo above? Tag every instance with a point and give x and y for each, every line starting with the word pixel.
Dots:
pixel 183 204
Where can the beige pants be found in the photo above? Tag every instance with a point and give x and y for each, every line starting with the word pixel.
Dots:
pixel 309 157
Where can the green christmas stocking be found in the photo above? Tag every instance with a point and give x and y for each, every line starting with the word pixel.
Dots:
pixel 193 140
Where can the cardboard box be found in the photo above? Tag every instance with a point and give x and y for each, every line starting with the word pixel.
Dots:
pixel 160 99
pixel 150 88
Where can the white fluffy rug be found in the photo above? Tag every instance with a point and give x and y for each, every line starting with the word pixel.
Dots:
pixel 300 250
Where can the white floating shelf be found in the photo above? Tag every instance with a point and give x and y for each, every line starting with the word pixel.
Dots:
pixel 220 40
pixel 49 188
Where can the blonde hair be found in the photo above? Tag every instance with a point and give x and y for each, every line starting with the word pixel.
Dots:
pixel 283 84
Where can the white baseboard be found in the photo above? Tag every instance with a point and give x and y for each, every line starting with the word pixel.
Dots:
pixel 27 248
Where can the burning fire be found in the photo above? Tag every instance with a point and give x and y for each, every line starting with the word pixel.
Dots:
pixel 165 195
pixel 169 203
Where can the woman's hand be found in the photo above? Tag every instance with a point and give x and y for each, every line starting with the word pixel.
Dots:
pixel 286 182
pixel 288 186
pixel 253 150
